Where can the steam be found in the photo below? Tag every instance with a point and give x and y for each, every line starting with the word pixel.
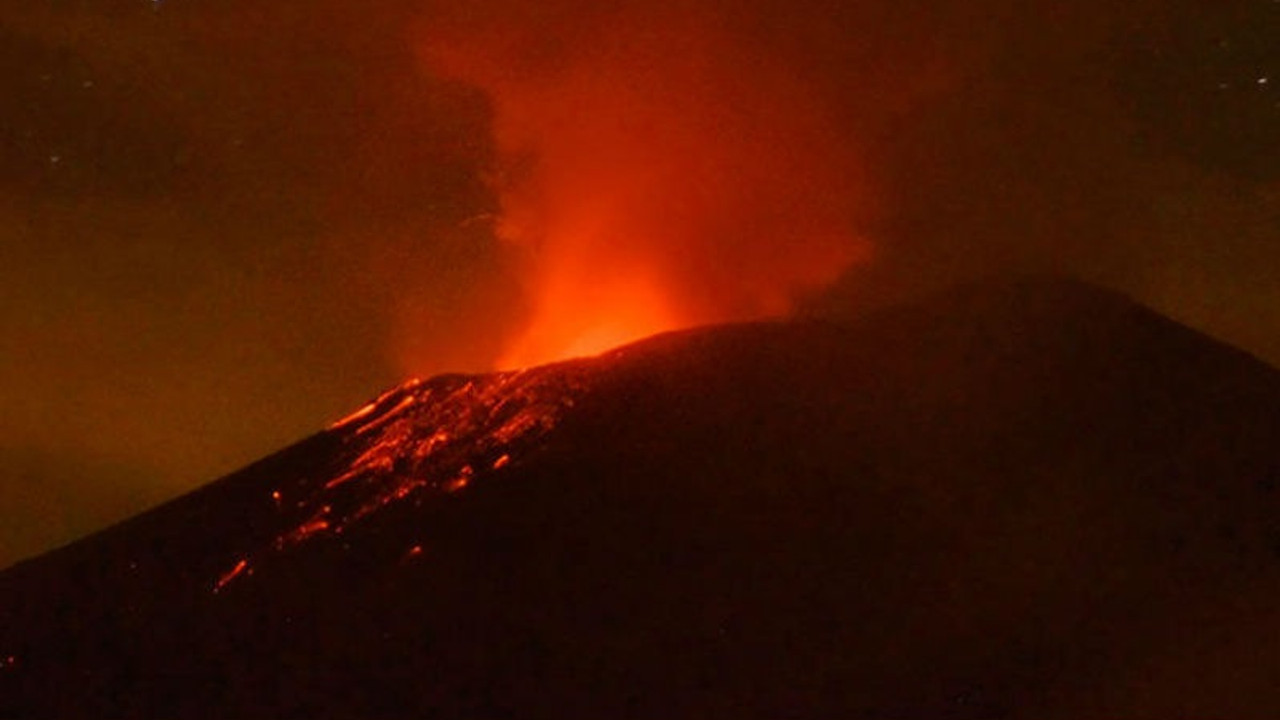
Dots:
pixel 660 168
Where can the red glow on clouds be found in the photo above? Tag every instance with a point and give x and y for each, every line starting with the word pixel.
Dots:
pixel 658 172
pixel 580 311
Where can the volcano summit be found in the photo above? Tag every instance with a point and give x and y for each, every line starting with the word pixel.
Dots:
pixel 1029 499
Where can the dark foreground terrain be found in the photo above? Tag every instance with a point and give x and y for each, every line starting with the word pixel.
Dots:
pixel 1022 500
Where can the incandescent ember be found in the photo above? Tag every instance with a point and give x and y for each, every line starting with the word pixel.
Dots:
pixel 419 440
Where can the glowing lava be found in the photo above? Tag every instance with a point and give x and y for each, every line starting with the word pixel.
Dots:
pixel 419 441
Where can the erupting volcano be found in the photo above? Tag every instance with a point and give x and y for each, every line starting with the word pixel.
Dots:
pixel 656 171
pixel 1022 500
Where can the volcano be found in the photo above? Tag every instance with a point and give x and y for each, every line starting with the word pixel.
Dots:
pixel 1019 499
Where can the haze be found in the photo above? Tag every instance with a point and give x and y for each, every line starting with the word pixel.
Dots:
pixel 225 225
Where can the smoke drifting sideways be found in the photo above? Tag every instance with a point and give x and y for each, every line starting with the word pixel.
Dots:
pixel 665 164
pixel 661 166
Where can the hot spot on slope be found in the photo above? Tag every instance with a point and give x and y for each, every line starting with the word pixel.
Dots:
pixel 419 440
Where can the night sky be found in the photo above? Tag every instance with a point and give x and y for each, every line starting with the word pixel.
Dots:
pixel 226 224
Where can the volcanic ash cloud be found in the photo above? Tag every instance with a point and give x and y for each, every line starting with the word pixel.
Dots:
pixel 659 169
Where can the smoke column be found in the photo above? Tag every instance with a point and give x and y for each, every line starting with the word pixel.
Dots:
pixel 659 169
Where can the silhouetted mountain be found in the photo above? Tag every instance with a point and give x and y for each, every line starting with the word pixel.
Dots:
pixel 1032 499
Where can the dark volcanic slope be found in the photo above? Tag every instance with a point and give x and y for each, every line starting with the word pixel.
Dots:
pixel 1021 500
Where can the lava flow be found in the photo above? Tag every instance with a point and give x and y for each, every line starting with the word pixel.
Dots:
pixel 419 440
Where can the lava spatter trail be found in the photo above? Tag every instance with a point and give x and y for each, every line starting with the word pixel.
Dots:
pixel 1020 500
pixel 418 440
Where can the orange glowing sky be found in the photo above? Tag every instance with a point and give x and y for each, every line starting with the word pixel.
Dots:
pixel 658 174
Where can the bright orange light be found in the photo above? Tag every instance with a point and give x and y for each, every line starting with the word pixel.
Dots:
pixel 661 173
pixel 236 570
pixel 576 317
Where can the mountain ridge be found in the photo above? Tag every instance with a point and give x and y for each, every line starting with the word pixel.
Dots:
pixel 1007 501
